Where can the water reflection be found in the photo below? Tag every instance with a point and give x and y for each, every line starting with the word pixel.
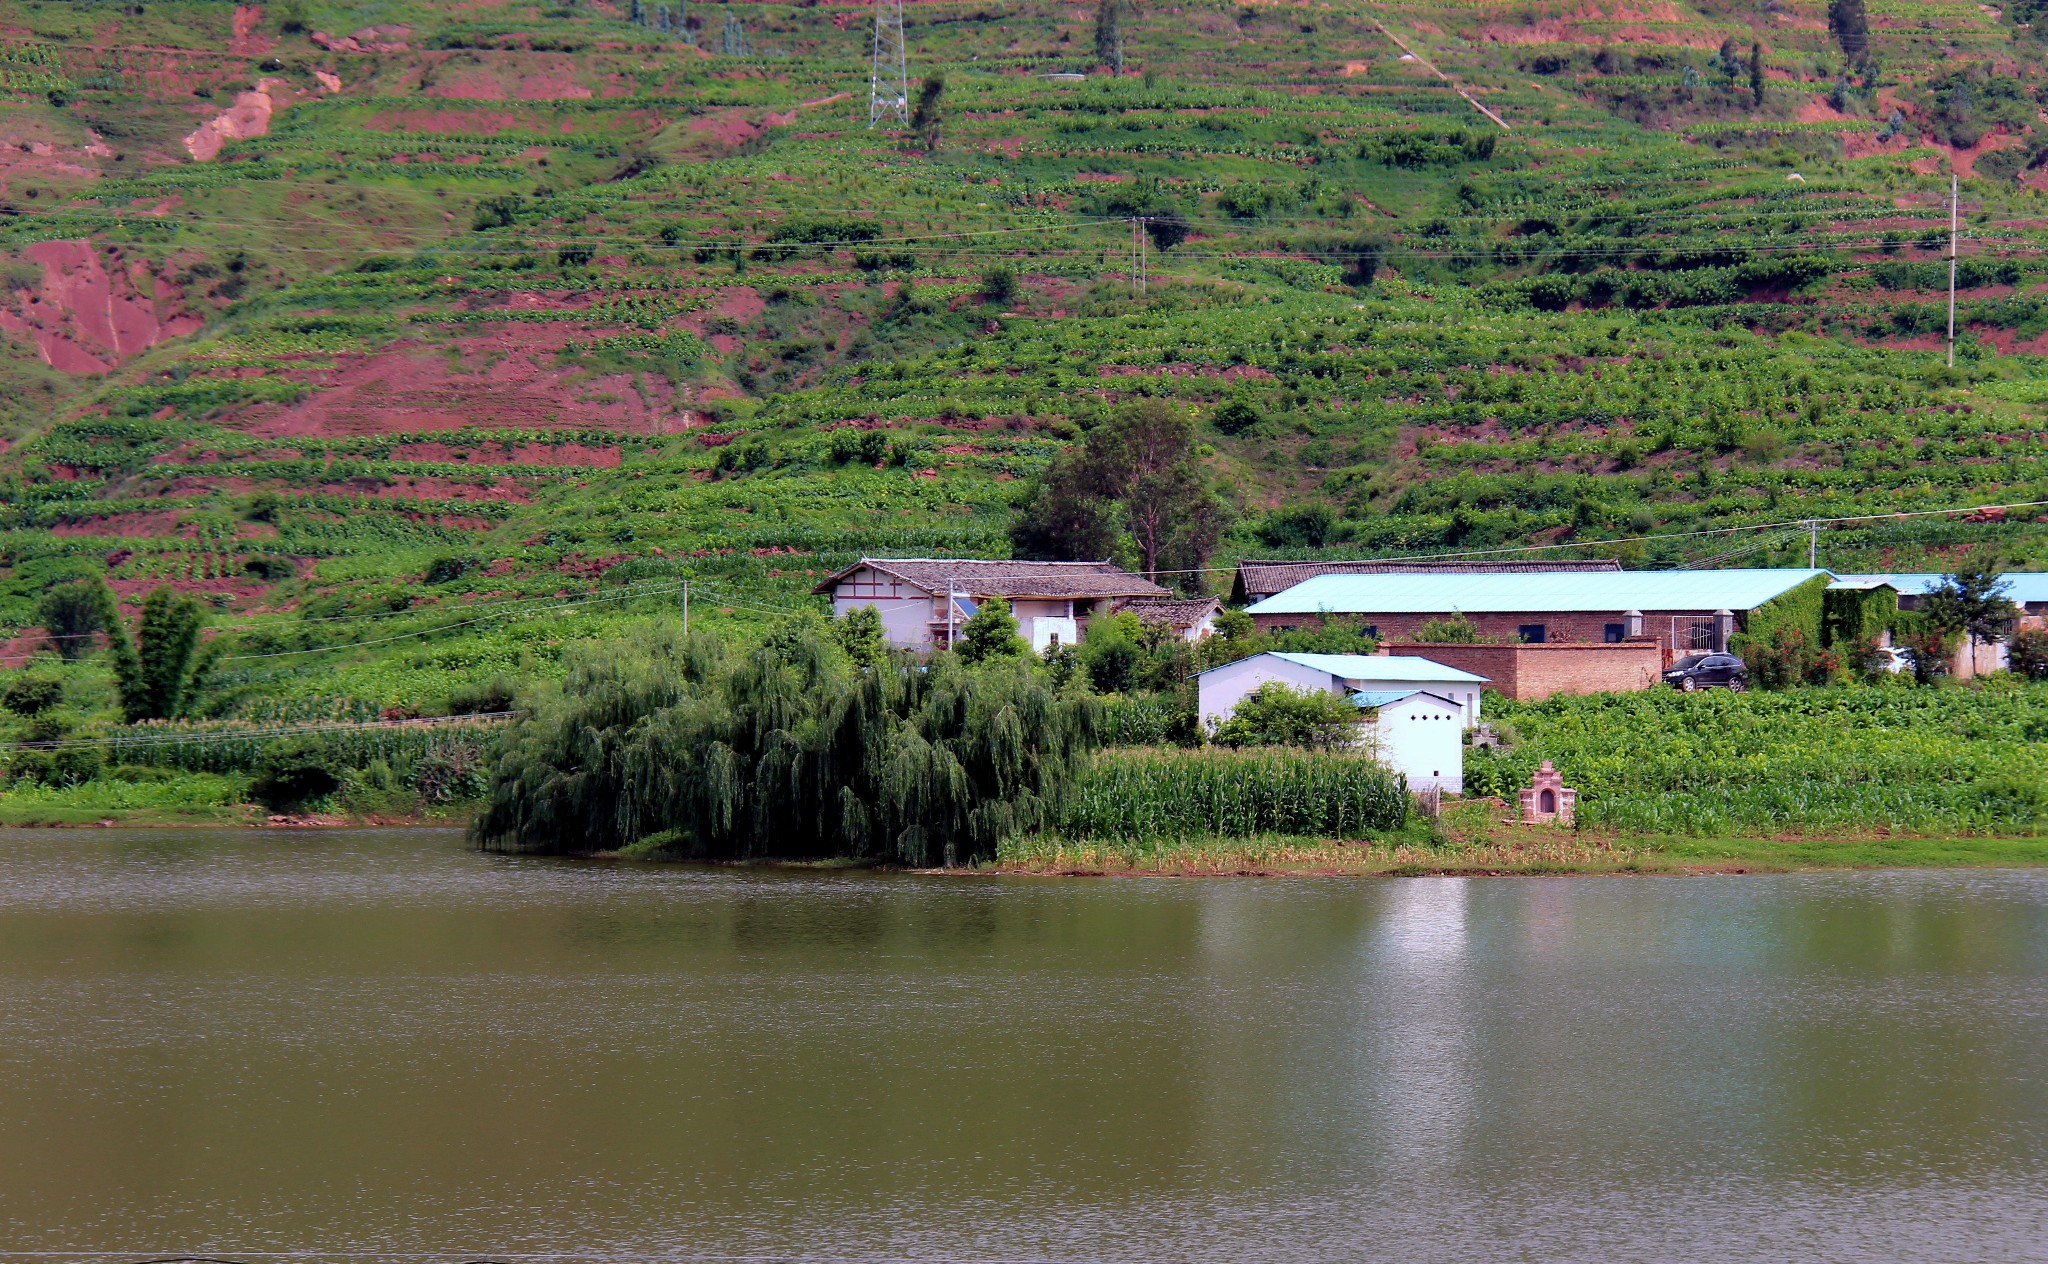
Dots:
pixel 378 1041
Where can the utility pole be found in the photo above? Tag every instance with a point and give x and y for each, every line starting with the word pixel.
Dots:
pixel 949 614
pixel 686 607
pixel 1812 543
pixel 1954 222
pixel 1138 286
pixel 889 73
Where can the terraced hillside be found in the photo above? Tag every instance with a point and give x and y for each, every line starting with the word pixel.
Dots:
pixel 387 326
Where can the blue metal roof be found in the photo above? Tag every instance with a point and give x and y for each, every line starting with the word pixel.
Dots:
pixel 1550 591
pixel 1402 668
pixel 1406 668
pixel 1387 698
pixel 2020 586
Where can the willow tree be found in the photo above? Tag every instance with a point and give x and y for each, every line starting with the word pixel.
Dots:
pixel 787 749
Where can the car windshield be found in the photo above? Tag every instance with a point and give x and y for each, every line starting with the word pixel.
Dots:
pixel 1685 664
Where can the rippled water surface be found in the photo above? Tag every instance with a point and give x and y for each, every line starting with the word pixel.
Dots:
pixel 371 1042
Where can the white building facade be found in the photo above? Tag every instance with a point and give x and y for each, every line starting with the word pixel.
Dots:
pixel 1418 735
pixel 923 602
pixel 1220 689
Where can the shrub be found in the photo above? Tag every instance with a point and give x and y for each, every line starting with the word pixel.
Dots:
pixel 498 694
pixel 292 774
pixel 32 695
pixel 1279 715
pixel 999 284
pixel 990 633
pixel 2028 653
pixel 270 568
pixel 71 613
pixel 1452 629
pixel 1235 416
pixel 1308 525
pixel 443 570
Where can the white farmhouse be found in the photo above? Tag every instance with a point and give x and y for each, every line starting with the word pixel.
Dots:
pixel 1221 688
pixel 923 601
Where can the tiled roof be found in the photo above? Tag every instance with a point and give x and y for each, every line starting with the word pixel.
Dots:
pixel 1179 615
pixel 1554 592
pixel 980 577
pixel 1260 579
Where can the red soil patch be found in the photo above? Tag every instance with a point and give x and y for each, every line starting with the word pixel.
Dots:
pixel 2010 343
pixel 520 77
pixel 742 303
pixel 729 128
pixel 508 380
pixel 1815 109
pixel 87 316
pixel 247 41
pixel 154 524
pixel 248 116
pixel 371 39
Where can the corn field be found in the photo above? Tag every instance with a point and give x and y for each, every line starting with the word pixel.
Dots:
pixel 1967 760
pixel 1163 796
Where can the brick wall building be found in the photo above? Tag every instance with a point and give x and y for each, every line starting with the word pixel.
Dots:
pixel 1680 612
pixel 1527 673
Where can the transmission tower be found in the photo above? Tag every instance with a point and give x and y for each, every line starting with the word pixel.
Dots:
pixel 889 80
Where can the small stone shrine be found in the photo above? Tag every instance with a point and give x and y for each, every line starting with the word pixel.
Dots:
pixel 1548 799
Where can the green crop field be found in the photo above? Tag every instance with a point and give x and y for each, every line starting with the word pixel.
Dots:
pixel 420 339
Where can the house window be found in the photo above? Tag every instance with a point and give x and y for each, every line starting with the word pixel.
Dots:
pixel 1055 639
pixel 1371 630
pixel 1615 633
pixel 1530 633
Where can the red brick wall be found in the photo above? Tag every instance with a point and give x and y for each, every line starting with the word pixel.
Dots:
pixel 1567 629
pixel 1529 672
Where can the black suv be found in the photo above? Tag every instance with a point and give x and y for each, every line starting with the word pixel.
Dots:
pixel 1708 671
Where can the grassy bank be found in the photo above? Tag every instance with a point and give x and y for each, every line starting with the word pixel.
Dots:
pixel 1520 851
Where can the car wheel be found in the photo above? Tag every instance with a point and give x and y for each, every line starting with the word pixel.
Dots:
pixel 1737 685
pixel 1688 685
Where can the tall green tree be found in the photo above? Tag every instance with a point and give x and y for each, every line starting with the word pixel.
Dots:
pixel 162 672
pixel 1850 26
pixel 991 633
pixel 926 113
pixel 1972 603
pixel 859 633
pixel 713 751
pixel 71 613
pixel 1136 471
pixel 1756 74
pixel 1109 34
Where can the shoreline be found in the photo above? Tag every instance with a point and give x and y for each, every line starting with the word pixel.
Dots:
pixel 1502 851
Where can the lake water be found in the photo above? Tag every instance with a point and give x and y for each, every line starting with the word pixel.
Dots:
pixel 375 1043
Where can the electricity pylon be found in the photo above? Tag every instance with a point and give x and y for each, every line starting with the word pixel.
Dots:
pixel 889 79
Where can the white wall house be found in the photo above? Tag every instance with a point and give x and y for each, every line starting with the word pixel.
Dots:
pixel 1052 601
pixel 1222 688
pixel 1418 735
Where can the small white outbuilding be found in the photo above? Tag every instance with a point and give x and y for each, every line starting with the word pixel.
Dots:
pixel 1222 688
pixel 1416 710
pixel 1418 735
